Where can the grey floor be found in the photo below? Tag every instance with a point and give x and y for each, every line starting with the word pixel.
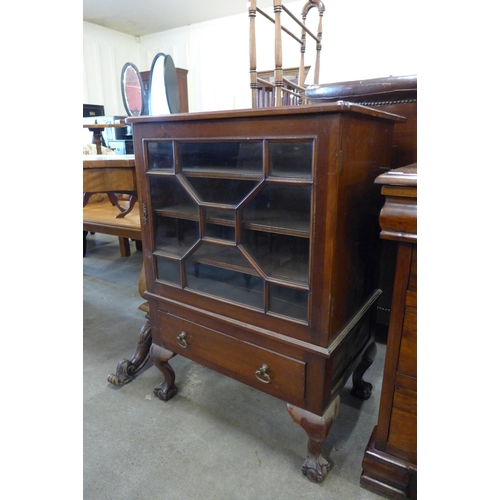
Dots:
pixel 217 439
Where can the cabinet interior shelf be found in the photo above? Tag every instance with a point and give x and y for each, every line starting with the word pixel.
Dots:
pixel 184 211
pixel 222 173
pixel 288 272
pixel 269 221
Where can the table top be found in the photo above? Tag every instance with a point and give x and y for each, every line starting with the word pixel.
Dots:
pixel 91 126
pixel 108 161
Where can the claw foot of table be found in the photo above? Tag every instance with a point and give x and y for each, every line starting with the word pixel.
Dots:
pixel 127 369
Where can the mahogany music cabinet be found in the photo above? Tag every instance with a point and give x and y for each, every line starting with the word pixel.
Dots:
pixel 258 228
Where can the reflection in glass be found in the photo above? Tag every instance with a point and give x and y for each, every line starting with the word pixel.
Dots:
pixel 175 236
pixel 280 208
pixel 291 159
pixel 279 256
pixel 169 198
pixel 223 272
pixel 240 158
pixel 160 155
pixel 169 270
pixel 132 90
pixel 288 301
pixel 223 191
pixel 220 224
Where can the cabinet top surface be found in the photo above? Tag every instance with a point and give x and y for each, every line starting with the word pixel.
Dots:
pixel 404 176
pixel 287 111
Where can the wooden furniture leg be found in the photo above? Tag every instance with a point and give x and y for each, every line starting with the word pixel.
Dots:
pixel 127 369
pixel 124 246
pixel 361 388
pixel 124 211
pixel 315 466
pixel 160 358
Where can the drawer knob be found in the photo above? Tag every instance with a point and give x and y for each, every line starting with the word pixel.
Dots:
pixel 181 340
pixel 262 374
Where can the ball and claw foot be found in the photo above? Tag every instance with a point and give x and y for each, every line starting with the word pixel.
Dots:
pixel 160 358
pixel 317 427
pixel 362 390
pixel 163 392
pixel 316 468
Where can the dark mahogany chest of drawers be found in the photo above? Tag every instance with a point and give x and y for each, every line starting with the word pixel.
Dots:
pixel 390 462
pixel 258 229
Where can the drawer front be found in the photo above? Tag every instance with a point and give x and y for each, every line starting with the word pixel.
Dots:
pixel 408 351
pixel 403 427
pixel 284 377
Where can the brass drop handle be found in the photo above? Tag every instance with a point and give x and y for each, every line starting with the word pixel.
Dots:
pixel 181 340
pixel 262 374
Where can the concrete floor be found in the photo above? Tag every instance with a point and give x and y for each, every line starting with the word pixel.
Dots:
pixel 217 439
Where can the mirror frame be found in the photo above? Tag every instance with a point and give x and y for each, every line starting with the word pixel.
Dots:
pixel 151 74
pixel 171 85
pixel 143 110
pixel 170 82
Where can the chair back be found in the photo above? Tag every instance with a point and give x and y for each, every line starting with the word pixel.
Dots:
pixel 283 90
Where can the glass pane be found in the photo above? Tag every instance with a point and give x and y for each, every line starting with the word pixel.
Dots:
pixel 223 191
pixel 160 155
pixel 224 272
pixel 288 302
pixel 291 159
pixel 169 270
pixel 220 224
pixel 175 236
pixel 280 208
pixel 279 256
pixel 169 198
pixel 237 158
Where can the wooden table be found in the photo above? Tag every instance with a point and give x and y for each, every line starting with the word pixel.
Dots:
pixel 110 174
pixel 98 129
pixel 113 174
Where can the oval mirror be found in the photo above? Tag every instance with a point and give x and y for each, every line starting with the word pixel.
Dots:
pixel 157 99
pixel 132 90
pixel 163 91
pixel 171 85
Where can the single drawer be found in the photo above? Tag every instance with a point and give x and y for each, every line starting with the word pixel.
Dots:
pixel 266 370
pixel 403 428
pixel 407 363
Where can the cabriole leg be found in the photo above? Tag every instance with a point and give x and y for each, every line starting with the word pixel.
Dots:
pixel 361 388
pixel 160 358
pixel 126 369
pixel 315 466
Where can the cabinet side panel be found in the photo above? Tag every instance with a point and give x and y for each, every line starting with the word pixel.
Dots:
pixel 365 154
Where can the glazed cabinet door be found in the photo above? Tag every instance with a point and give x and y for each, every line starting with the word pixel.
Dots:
pixel 231 220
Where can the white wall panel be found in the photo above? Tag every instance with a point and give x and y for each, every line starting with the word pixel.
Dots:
pixel 361 39
pixel 105 52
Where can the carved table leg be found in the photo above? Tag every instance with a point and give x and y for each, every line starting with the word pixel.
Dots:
pixel 126 211
pixel 160 357
pixel 315 466
pixel 126 369
pixel 361 388
pixel 85 243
